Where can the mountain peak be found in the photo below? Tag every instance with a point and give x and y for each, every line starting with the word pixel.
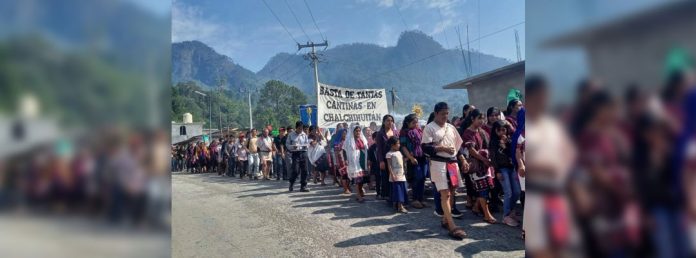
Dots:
pixel 194 44
pixel 416 39
pixel 196 61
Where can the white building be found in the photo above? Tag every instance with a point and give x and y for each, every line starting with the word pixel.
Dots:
pixel 186 130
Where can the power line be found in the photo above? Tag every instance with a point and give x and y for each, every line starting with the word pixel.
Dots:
pixel 461 48
pixel 401 17
pixel 281 23
pixel 289 72
pixel 413 41
pixel 439 12
pixel 283 62
pixel 405 65
pixel 468 49
pixel 497 31
pixel 436 54
pixel 292 75
pixel 479 33
pixel 297 20
pixel 314 21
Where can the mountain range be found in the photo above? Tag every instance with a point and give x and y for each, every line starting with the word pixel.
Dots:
pixel 416 67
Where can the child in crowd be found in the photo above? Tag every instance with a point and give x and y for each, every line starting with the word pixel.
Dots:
pixel 242 161
pixel 397 177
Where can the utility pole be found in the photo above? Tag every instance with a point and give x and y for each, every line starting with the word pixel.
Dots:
pixel 461 48
pixel 517 44
pixel 221 88
pixel 468 49
pixel 251 120
pixel 315 61
pixel 210 109
pixel 210 112
pixel 393 99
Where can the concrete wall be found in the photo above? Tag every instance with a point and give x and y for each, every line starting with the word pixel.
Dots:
pixel 192 130
pixel 494 92
pixel 638 55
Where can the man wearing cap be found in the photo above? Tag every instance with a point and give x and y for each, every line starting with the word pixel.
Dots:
pixel 279 161
pixel 297 143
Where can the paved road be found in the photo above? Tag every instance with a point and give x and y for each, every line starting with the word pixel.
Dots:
pixel 217 216
pixel 35 235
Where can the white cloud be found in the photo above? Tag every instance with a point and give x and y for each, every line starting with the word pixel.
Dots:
pixel 385 3
pixel 380 3
pixel 387 36
pixel 188 23
pixel 450 10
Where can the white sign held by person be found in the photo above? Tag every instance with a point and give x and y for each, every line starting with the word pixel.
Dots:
pixel 344 105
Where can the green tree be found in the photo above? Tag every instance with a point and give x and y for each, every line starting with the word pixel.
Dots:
pixel 278 104
pixel 185 100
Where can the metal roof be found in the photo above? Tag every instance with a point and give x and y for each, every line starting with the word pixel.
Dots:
pixel 463 84
pixel 633 23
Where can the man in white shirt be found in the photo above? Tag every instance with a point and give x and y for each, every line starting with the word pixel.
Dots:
pixel 550 156
pixel 266 150
pixel 297 143
pixel 441 142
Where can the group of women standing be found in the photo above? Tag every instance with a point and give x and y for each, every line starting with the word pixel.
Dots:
pixel 394 160
pixel 493 147
pixel 198 157
pixel 495 150
pixel 355 159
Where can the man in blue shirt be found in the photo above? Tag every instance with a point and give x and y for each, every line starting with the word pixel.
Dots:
pixel 297 143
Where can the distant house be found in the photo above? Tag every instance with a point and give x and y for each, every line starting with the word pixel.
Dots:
pixel 632 49
pixel 25 135
pixel 184 131
pixel 490 89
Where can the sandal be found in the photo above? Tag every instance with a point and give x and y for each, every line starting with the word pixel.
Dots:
pixel 457 233
pixel 490 221
pixel 477 213
pixel 444 225
pixel 417 205
pixel 360 200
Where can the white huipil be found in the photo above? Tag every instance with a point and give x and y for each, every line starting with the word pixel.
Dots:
pixel 353 154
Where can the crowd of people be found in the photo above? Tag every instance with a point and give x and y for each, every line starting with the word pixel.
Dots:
pixel 618 178
pixel 119 177
pixel 480 154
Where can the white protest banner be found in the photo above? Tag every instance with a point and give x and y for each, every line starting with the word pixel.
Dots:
pixel 344 105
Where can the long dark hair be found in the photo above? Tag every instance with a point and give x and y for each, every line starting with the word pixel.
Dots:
pixel 384 119
pixel 495 140
pixel 431 117
pixel 510 106
pixel 474 114
pixel 407 120
pixel 465 108
pixel 595 102
pixel 491 111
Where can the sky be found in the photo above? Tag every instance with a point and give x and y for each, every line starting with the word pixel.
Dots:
pixel 567 66
pixel 247 31
pixel 158 7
